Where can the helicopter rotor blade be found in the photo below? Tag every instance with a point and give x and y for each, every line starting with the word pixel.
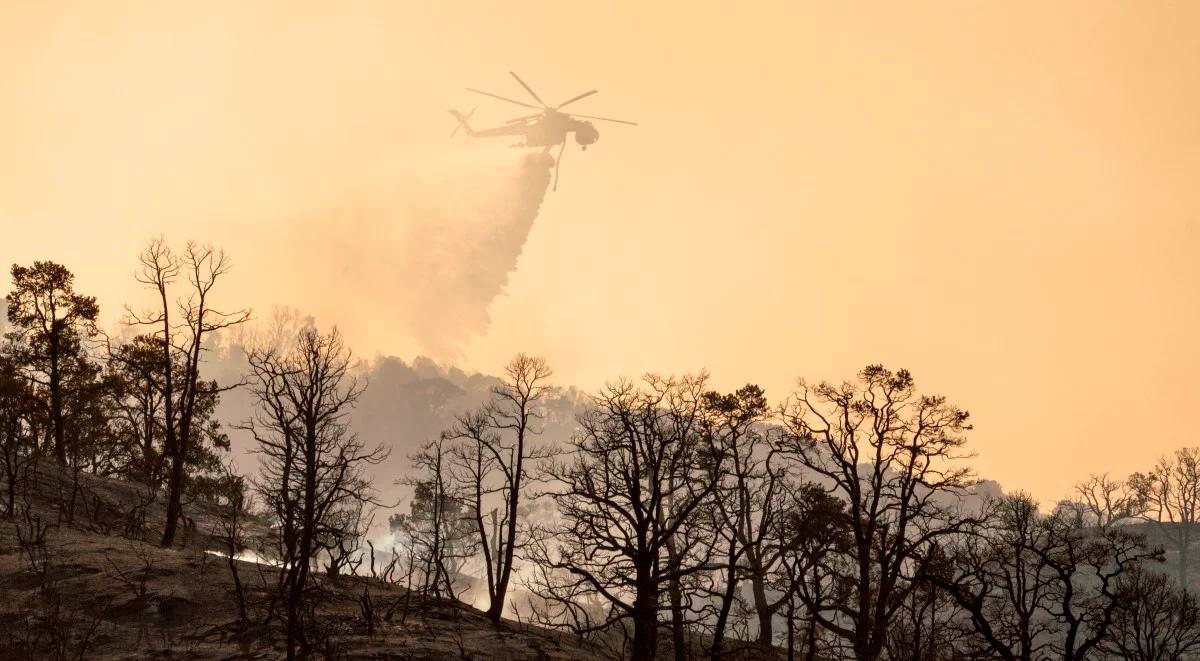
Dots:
pixel 558 163
pixel 574 99
pixel 503 98
pixel 526 118
pixel 529 89
pixel 606 119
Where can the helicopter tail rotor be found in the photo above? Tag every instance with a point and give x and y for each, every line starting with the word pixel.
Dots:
pixel 462 121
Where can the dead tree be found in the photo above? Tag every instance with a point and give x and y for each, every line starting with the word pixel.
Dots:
pixel 491 462
pixel 438 531
pixel 1002 584
pixel 892 456
pixel 1170 497
pixel 641 468
pixel 1155 620
pixel 231 532
pixel 1103 502
pixel 181 333
pixel 312 464
pixel 1096 559
pixel 1034 586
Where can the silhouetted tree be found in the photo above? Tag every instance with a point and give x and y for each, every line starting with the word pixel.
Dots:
pixel 1170 495
pixel 138 404
pixel 18 443
pixel 312 464
pixel 892 456
pixel 1000 580
pixel 1037 585
pixel 815 542
pixel 439 529
pixel 1095 559
pixel 745 504
pixel 491 461
pixel 927 628
pixel 1103 501
pixel 1155 619
pixel 235 504
pixel 181 332
pixel 139 428
pixel 51 324
pixel 642 466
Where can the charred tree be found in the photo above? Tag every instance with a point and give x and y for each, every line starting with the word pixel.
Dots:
pixel 312 464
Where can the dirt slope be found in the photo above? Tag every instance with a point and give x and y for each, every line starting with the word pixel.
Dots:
pixel 91 589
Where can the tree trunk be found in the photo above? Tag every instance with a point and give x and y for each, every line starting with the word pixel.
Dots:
pixel 791 628
pixel 678 626
pixel 1185 542
pixel 56 404
pixel 11 505
pixel 645 617
pixel 718 639
pixel 174 494
pixel 496 609
pixel 810 644
pixel 304 553
pixel 763 609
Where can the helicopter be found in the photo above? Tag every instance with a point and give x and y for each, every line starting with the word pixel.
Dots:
pixel 546 128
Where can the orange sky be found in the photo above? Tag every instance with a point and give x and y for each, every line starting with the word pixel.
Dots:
pixel 999 196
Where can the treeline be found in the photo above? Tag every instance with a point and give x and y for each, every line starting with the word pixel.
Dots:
pixel 842 523
pixel 136 410
pixel 677 522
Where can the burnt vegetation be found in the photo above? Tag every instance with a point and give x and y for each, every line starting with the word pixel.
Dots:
pixel 668 520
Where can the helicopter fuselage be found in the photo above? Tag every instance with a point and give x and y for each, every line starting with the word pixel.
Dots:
pixel 548 130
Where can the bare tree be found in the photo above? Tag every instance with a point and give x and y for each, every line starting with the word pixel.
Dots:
pixel 1096 559
pixel 1037 585
pixel 344 538
pixel 439 530
pixel 642 467
pixel 311 462
pixel 1155 619
pixel 1102 501
pixel 892 455
pixel 236 505
pixel 181 333
pixel 492 459
pixel 1000 580
pixel 1171 497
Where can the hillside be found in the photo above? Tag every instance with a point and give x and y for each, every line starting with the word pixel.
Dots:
pixel 92 584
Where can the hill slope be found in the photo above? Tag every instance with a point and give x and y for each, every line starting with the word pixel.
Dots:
pixel 89 584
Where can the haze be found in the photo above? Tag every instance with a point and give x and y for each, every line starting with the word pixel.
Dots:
pixel 1000 198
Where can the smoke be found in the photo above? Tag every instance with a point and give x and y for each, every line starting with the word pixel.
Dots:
pixel 311 145
pixel 420 255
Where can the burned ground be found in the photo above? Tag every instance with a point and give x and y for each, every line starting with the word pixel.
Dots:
pixel 88 581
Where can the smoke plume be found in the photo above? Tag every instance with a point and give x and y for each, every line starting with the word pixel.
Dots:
pixel 422 255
